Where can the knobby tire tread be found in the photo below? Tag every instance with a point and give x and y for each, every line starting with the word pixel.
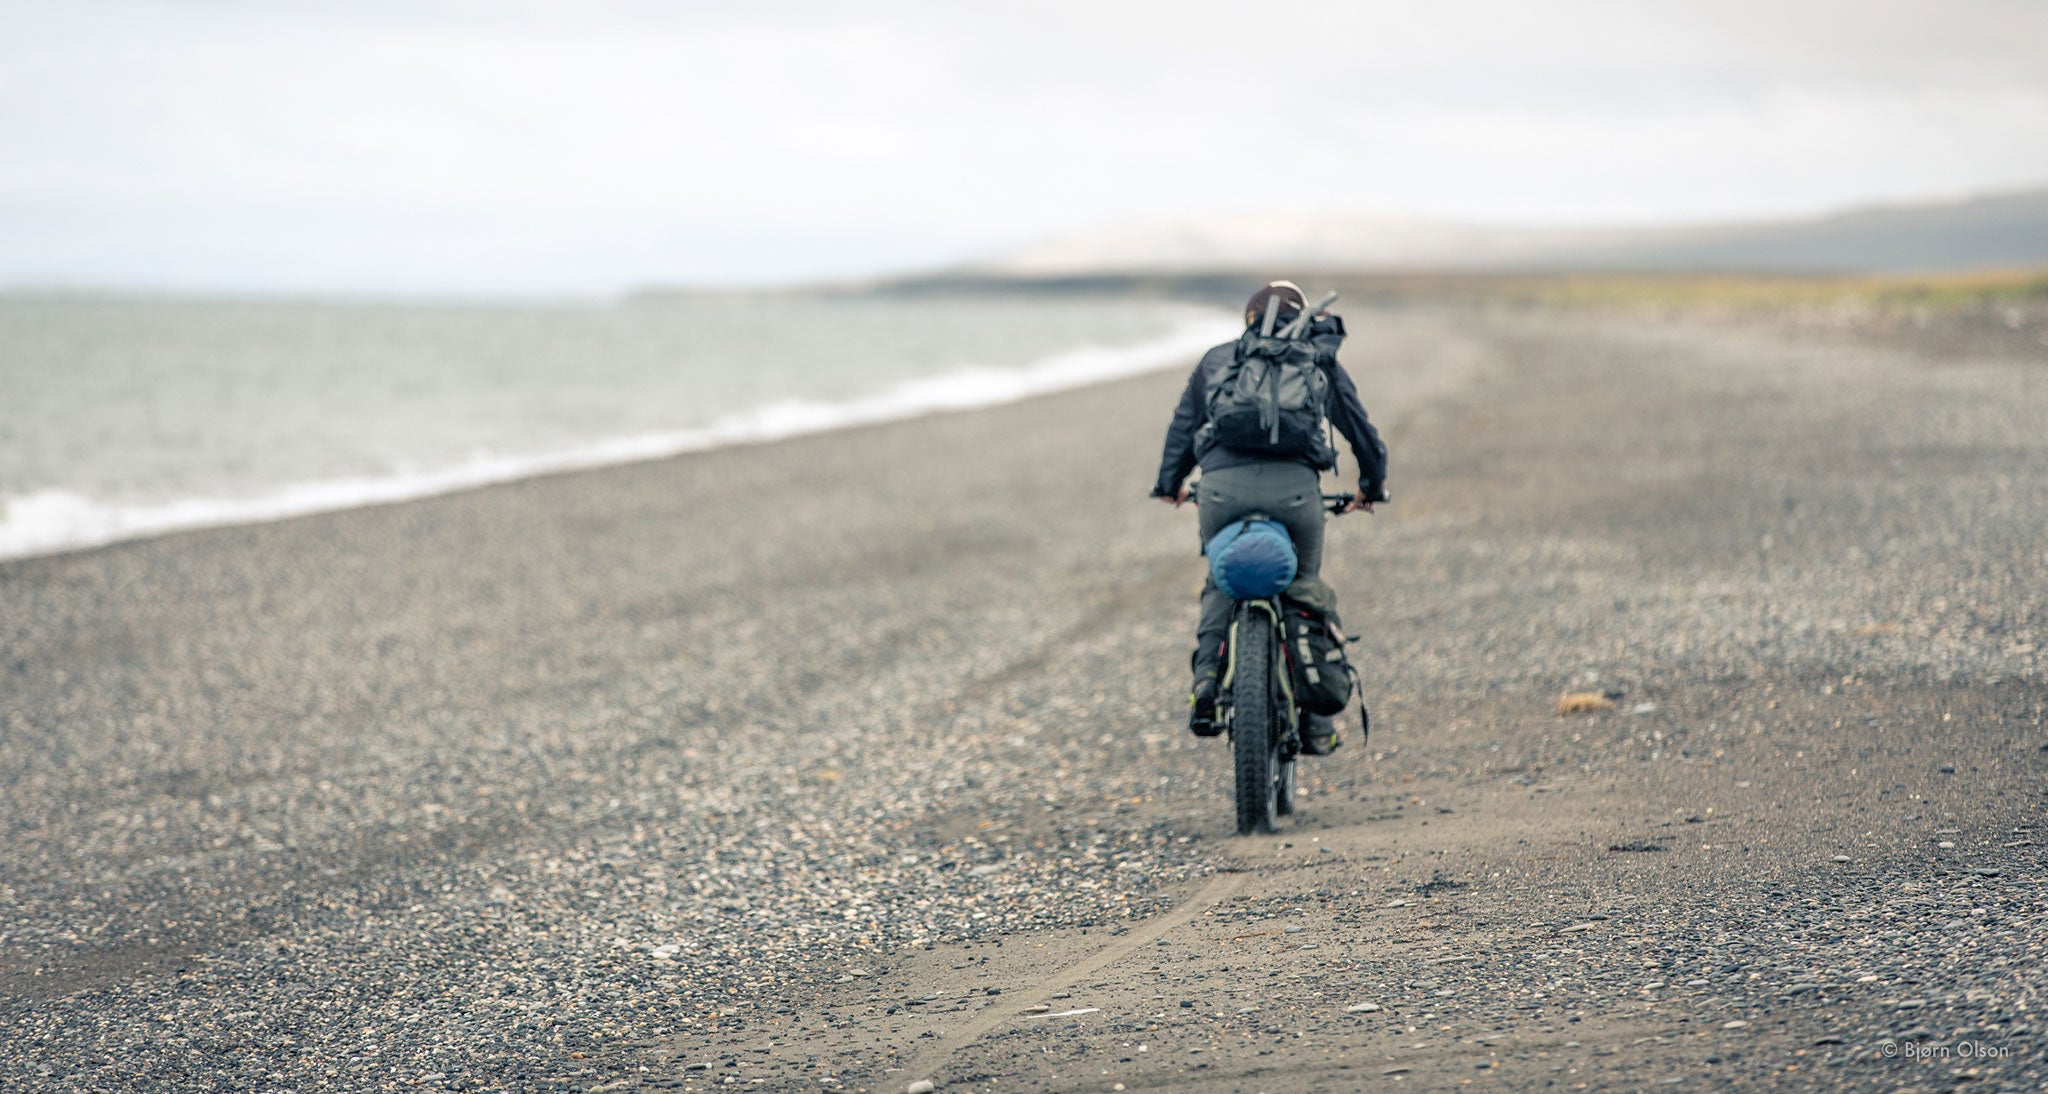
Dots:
pixel 1251 724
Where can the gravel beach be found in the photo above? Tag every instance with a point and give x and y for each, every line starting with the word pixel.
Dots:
pixel 857 761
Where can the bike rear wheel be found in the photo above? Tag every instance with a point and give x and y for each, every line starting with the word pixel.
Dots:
pixel 1256 751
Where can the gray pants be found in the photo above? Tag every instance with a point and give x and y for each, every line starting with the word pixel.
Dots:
pixel 1286 492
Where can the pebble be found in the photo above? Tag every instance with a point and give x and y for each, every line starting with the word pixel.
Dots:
pixel 752 881
pixel 1841 858
pixel 1732 1024
pixel 922 1086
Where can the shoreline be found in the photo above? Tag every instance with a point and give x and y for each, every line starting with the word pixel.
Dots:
pixel 57 521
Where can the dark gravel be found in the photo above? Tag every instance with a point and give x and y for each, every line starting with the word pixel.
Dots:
pixel 577 783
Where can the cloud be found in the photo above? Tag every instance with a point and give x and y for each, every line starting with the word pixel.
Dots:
pixel 481 147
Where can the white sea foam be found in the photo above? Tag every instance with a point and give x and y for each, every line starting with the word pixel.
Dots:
pixel 56 520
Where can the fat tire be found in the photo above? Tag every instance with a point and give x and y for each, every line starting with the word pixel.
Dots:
pixel 1251 724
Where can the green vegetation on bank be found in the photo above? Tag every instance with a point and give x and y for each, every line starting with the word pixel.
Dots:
pixel 1903 294
pixel 1940 293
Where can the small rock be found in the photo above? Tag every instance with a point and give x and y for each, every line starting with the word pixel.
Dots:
pixel 1841 858
pixel 1735 1024
pixel 1947 845
pixel 922 1086
pixel 1041 1008
pixel 1361 1008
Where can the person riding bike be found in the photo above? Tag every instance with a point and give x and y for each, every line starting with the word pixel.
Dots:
pixel 1286 488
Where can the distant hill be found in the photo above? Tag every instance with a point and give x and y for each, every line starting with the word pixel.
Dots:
pixel 2004 230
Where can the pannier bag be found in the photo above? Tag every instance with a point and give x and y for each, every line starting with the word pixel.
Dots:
pixel 1315 647
pixel 1251 559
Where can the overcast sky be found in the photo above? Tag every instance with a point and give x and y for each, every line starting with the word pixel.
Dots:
pixel 584 147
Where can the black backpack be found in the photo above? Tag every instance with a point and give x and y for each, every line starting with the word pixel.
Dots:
pixel 1270 398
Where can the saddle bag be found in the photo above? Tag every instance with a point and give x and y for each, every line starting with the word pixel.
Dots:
pixel 1251 558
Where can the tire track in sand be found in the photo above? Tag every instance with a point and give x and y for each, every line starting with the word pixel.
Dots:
pixel 926 1064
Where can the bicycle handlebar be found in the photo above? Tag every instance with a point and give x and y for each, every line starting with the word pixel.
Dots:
pixel 1334 504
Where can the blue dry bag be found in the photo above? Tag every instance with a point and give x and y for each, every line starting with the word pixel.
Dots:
pixel 1251 558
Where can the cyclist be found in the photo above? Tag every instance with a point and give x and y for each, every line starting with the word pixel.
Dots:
pixel 1286 488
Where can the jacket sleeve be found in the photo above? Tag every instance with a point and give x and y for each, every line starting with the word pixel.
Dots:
pixel 1348 414
pixel 1179 457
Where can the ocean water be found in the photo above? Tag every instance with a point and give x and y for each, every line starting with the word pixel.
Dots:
pixel 127 418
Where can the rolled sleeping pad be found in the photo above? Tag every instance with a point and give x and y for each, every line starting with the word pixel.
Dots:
pixel 1251 558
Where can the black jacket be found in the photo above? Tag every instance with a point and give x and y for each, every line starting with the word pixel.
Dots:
pixel 1344 411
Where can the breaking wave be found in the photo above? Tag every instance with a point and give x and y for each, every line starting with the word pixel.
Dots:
pixel 56 520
